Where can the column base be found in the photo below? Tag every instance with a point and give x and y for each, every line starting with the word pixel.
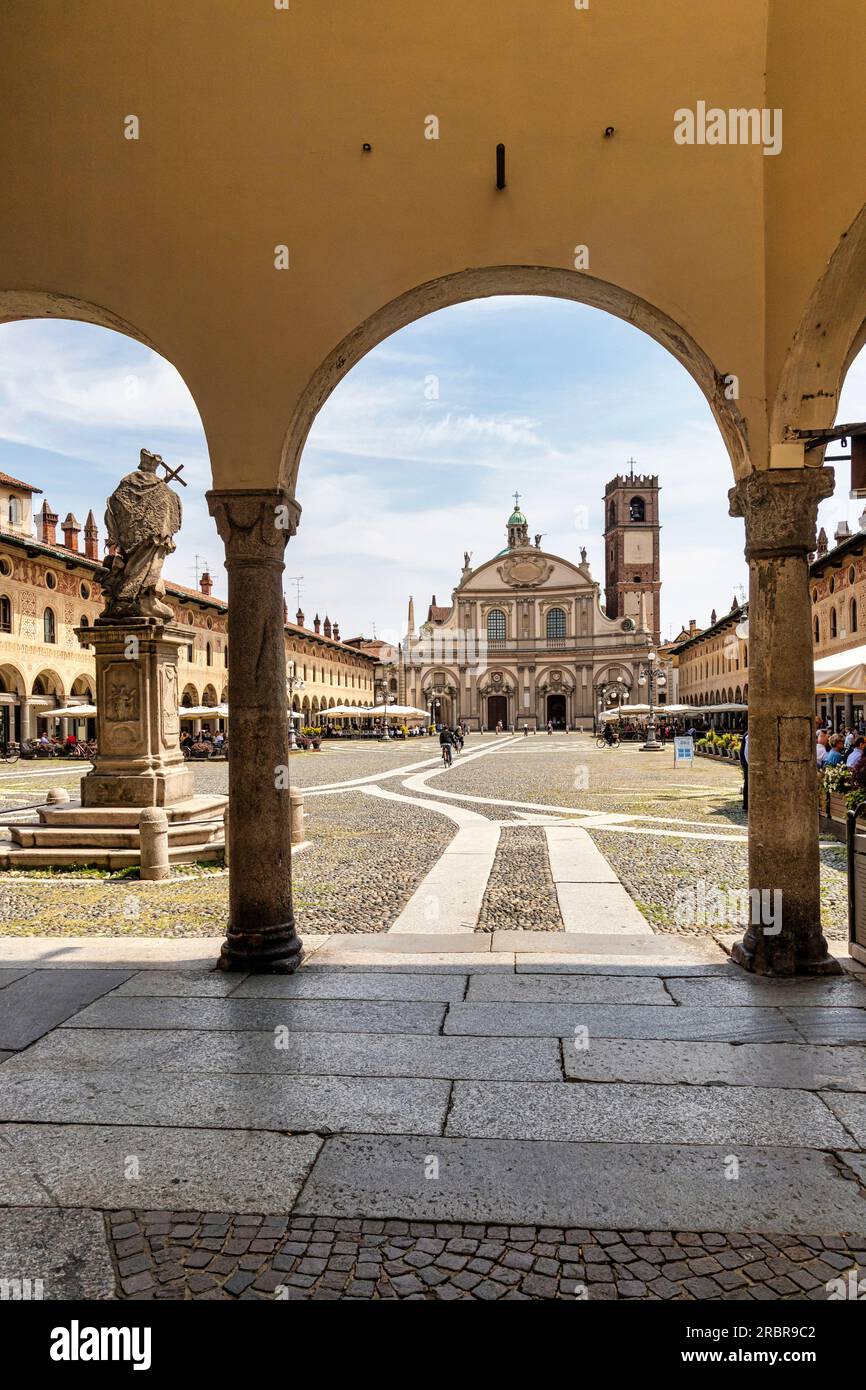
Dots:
pixel 272 951
pixel 761 962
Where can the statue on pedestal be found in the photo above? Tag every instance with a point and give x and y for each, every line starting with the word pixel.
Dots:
pixel 142 517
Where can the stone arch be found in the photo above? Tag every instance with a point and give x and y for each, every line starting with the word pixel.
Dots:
pixel 12 681
pixel 82 687
pixel 830 334
pixel 189 696
pixel 209 695
pixel 480 283
pixel 48 682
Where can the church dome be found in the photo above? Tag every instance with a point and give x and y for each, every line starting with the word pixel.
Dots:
pixel 517 518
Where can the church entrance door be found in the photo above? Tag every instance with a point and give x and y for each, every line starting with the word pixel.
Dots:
pixel 556 711
pixel 497 711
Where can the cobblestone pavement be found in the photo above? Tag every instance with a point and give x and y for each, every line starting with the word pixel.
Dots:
pixel 367 855
pixel 520 891
pixel 196 1255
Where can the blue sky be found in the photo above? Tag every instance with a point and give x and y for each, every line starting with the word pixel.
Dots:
pixel 416 455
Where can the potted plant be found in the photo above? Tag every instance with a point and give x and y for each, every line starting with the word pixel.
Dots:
pixel 837 782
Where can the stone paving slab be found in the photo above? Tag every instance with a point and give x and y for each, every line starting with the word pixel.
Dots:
pixel 621 1021
pixel 372 1105
pixel 71 1165
pixel 577 964
pixel 299 1015
pixel 66 1250
pixel 829 1025
pixel 122 952
pixel 439 963
pixel 803 1066
pixel 7 975
pixel 851 1110
pixel 574 858
pixel 753 989
pixel 315 1054
pixel 192 984
pixel 588 907
pixel 643 1114
pixel 167 1255
pixel 567 989
pixel 648 950
pixel 407 943
pixel 40 1000
pixel 370 984
pixel 623 1186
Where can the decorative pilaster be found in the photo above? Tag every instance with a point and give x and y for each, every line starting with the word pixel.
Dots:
pixel 255 526
pixel 780 508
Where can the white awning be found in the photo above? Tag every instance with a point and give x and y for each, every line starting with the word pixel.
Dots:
pixel 842 673
pixel 70 712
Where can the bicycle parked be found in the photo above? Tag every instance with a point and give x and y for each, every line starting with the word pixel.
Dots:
pixel 9 752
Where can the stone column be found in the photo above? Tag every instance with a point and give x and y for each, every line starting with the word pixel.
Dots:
pixel 27 721
pixel 255 526
pixel 780 509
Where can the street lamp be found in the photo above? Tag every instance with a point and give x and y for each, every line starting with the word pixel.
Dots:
pixel 654 678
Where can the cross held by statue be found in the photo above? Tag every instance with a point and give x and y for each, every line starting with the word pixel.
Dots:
pixel 170 474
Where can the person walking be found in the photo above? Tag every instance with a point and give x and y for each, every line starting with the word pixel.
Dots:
pixel 549 728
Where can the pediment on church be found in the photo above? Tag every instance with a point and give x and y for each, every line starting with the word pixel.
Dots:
pixel 526 569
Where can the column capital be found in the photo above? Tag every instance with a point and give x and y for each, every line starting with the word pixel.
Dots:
pixel 780 508
pixel 254 523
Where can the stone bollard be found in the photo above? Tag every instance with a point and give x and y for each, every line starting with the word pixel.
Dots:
pixel 226 835
pixel 57 796
pixel 296 803
pixel 153 843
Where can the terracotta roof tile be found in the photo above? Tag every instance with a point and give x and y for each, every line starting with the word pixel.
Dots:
pixel 7 480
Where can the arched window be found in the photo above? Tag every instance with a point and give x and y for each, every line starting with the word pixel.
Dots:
pixel 14 511
pixel 496 625
pixel 853 615
pixel 637 509
pixel 611 515
pixel 5 613
pixel 832 622
pixel 556 622
pixel 49 626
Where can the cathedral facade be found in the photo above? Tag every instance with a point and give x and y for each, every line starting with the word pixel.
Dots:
pixel 526 640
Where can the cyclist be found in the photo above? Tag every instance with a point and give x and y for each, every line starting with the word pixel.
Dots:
pixel 446 743
pixel 608 734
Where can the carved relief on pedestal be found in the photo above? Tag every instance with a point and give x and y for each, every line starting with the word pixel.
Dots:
pixel 170 721
pixel 121 704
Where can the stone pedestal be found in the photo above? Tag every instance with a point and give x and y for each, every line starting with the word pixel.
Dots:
pixel 139 761
pixel 780 508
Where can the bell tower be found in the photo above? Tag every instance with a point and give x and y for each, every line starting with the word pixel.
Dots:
pixel 632 567
pixel 518 527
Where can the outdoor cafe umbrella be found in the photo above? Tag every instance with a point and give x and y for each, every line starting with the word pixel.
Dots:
pixel 71 712
pixel 843 673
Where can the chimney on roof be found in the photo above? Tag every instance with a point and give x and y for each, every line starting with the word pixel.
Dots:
pixel 327 626
pixel 713 618
pixel 71 530
pixel 206 583
pixel 47 525
pixel 843 532
pixel 822 543
pixel 336 632
pixel 91 538
pixel 317 624
pixel 693 627
pixel 299 617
